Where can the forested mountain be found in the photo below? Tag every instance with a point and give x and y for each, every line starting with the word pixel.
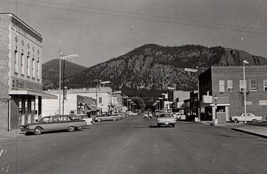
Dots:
pixel 50 72
pixel 152 68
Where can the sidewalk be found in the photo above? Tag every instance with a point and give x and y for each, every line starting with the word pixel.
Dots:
pixel 9 135
pixel 241 127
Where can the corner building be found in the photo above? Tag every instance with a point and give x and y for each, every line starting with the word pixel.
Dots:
pixel 21 73
pixel 227 84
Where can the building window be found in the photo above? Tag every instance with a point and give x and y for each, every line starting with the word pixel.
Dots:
pixel 28 66
pixel 264 84
pixel 33 68
pixel 22 64
pixel 38 73
pixel 16 61
pixel 242 85
pixel 253 85
pixel 230 87
pixel 221 86
pixel 100 99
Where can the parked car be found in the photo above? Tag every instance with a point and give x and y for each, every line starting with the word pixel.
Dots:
pixel 148 115
pixel 249 117
pixel 100 118
pixel 53 123
pixel 89 121
pixel 157 112
pixel 179 116
pixel 166 119
pixel 130 113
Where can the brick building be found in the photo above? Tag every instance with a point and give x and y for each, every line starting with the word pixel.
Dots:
pixel 21 73
pixel 227 84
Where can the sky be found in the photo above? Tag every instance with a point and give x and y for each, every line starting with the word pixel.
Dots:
pixel 99 30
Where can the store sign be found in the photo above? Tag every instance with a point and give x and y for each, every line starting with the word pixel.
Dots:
pixel 262 102
pixel 207 99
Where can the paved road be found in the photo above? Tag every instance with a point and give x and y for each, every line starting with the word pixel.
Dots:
pixel 136 146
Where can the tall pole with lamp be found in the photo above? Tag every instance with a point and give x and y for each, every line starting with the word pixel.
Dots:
pixel 245 89
pixel 62 57
pixel 198 95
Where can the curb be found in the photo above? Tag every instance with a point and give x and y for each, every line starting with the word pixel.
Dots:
pixel 249 132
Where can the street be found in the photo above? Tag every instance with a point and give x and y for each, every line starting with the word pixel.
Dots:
pixel 135 145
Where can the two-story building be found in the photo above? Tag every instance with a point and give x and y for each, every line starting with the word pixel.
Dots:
pixel 21 73
pixel 227 85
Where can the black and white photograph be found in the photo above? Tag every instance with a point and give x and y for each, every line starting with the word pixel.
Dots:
pixel 133 86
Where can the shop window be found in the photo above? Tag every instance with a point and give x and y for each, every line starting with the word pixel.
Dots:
pixel 221 86
pixel 253 85
pixel 230 87
pixel 221 109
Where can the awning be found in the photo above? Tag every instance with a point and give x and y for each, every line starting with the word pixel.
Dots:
pixel 90 108
pixel 26 92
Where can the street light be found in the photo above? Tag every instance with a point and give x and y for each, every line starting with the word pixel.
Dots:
pixel 63 57
pixel 160 98
pixel 215 107
pixel 245 89
pixel 198 98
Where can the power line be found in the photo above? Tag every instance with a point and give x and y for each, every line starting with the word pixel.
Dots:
pixel 141 16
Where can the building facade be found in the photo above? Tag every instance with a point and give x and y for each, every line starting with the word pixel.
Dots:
pixel 72 103
pixel 226 85
pixel 21 73
pixel 102 97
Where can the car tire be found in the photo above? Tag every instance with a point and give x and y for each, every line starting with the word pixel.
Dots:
pixel 99 120
pixel 173 125
pixel 71 128
pixel 37 131
pixel 236 120
pixel 158 125
pixel 254 120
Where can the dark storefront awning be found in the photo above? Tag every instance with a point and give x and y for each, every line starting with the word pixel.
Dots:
pixel 90 108
pixel 26 92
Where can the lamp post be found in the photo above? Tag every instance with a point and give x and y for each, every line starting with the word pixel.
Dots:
pixel 160 98
pixel 245 89
pixel 64 98
pixel 198 95
pixel 215 108
pixel 63 57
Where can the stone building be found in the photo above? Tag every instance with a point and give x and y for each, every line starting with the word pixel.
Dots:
pixel 21 73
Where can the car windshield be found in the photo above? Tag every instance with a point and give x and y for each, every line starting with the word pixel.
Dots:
pixel 44 120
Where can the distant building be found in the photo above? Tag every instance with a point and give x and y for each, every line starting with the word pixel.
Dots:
pixel 21 73
pixel 101 96
pixel 227 84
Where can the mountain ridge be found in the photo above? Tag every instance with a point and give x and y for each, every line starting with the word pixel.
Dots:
pixel 155 67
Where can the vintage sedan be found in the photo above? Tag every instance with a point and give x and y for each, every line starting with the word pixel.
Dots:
pixel 248 117
pixel 166 119
pixel 100 118
pixel 53 123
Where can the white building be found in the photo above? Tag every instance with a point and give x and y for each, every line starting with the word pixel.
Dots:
pixel 102 100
